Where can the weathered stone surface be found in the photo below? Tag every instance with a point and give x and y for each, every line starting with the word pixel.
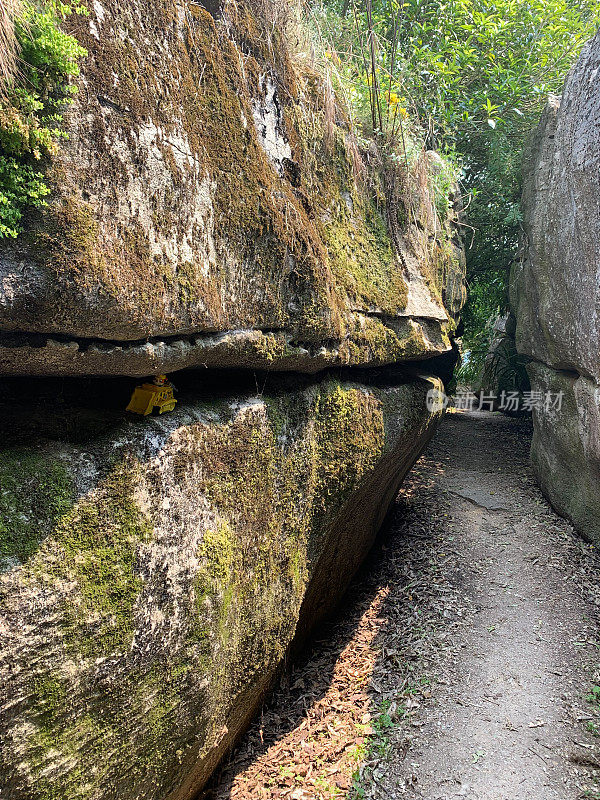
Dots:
pixel 155 572
pixel 555 292
pixel 211 207
pixel 557 286
pixel 565 450
pixel 395 341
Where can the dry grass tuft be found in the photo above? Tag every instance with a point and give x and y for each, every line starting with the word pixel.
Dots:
pixel 8 43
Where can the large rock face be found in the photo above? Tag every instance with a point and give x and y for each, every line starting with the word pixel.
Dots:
pixel 556 292
pixel 211 207
pixel 566 446
pixel 155 574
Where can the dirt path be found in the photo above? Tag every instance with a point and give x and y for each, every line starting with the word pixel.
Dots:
pixel 460 663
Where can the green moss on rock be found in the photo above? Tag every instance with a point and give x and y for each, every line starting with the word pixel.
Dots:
pixel 275 481
pixel 95 545
pixel 363 258
pixel 169 594
pixel 350 439
pixel 35 491
pixel 170 215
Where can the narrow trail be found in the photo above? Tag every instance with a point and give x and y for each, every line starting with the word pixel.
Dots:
pixel 506 725
pixel 460 663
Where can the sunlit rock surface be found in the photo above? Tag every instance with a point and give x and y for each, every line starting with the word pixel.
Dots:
pixel 211 207
pixel 155 572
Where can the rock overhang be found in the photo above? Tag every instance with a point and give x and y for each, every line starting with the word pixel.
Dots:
pixel 400 341
pixel 210 208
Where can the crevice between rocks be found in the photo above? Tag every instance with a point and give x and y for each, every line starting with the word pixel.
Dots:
pixel 569 371
pixel 77 409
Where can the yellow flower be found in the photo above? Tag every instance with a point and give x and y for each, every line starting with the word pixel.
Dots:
pixel 395 101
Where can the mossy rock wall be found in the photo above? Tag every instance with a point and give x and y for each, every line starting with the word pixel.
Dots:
pixel 207 208
pixel 155 579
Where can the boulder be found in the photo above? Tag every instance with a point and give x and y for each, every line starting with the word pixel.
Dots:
pixel 565 450
pixel 555 291
pixel 156 572
pixel 211 206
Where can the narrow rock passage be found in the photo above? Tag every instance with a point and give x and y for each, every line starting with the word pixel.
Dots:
pixel 459 665
pixel 506 725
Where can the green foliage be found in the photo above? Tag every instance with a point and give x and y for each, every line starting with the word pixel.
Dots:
pixel 31 111
pixel 474 76
pixel 378 745
pixel 471 66
pixel 492 363
pixel 505 368
pixel 592 727
pixel 593 696
pixel 487 301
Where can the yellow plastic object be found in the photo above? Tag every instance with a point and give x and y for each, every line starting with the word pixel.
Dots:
pixel 150 396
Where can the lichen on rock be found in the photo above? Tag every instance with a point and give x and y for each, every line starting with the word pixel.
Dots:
pixel 204 190
pixel 211 207
pixel 142 627
pixel 555 293
pixel 35 492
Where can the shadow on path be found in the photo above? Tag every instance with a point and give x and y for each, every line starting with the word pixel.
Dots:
pixel 457 662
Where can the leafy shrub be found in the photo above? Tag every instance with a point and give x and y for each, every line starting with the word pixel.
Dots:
pixel 474 76
pixel 31 110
